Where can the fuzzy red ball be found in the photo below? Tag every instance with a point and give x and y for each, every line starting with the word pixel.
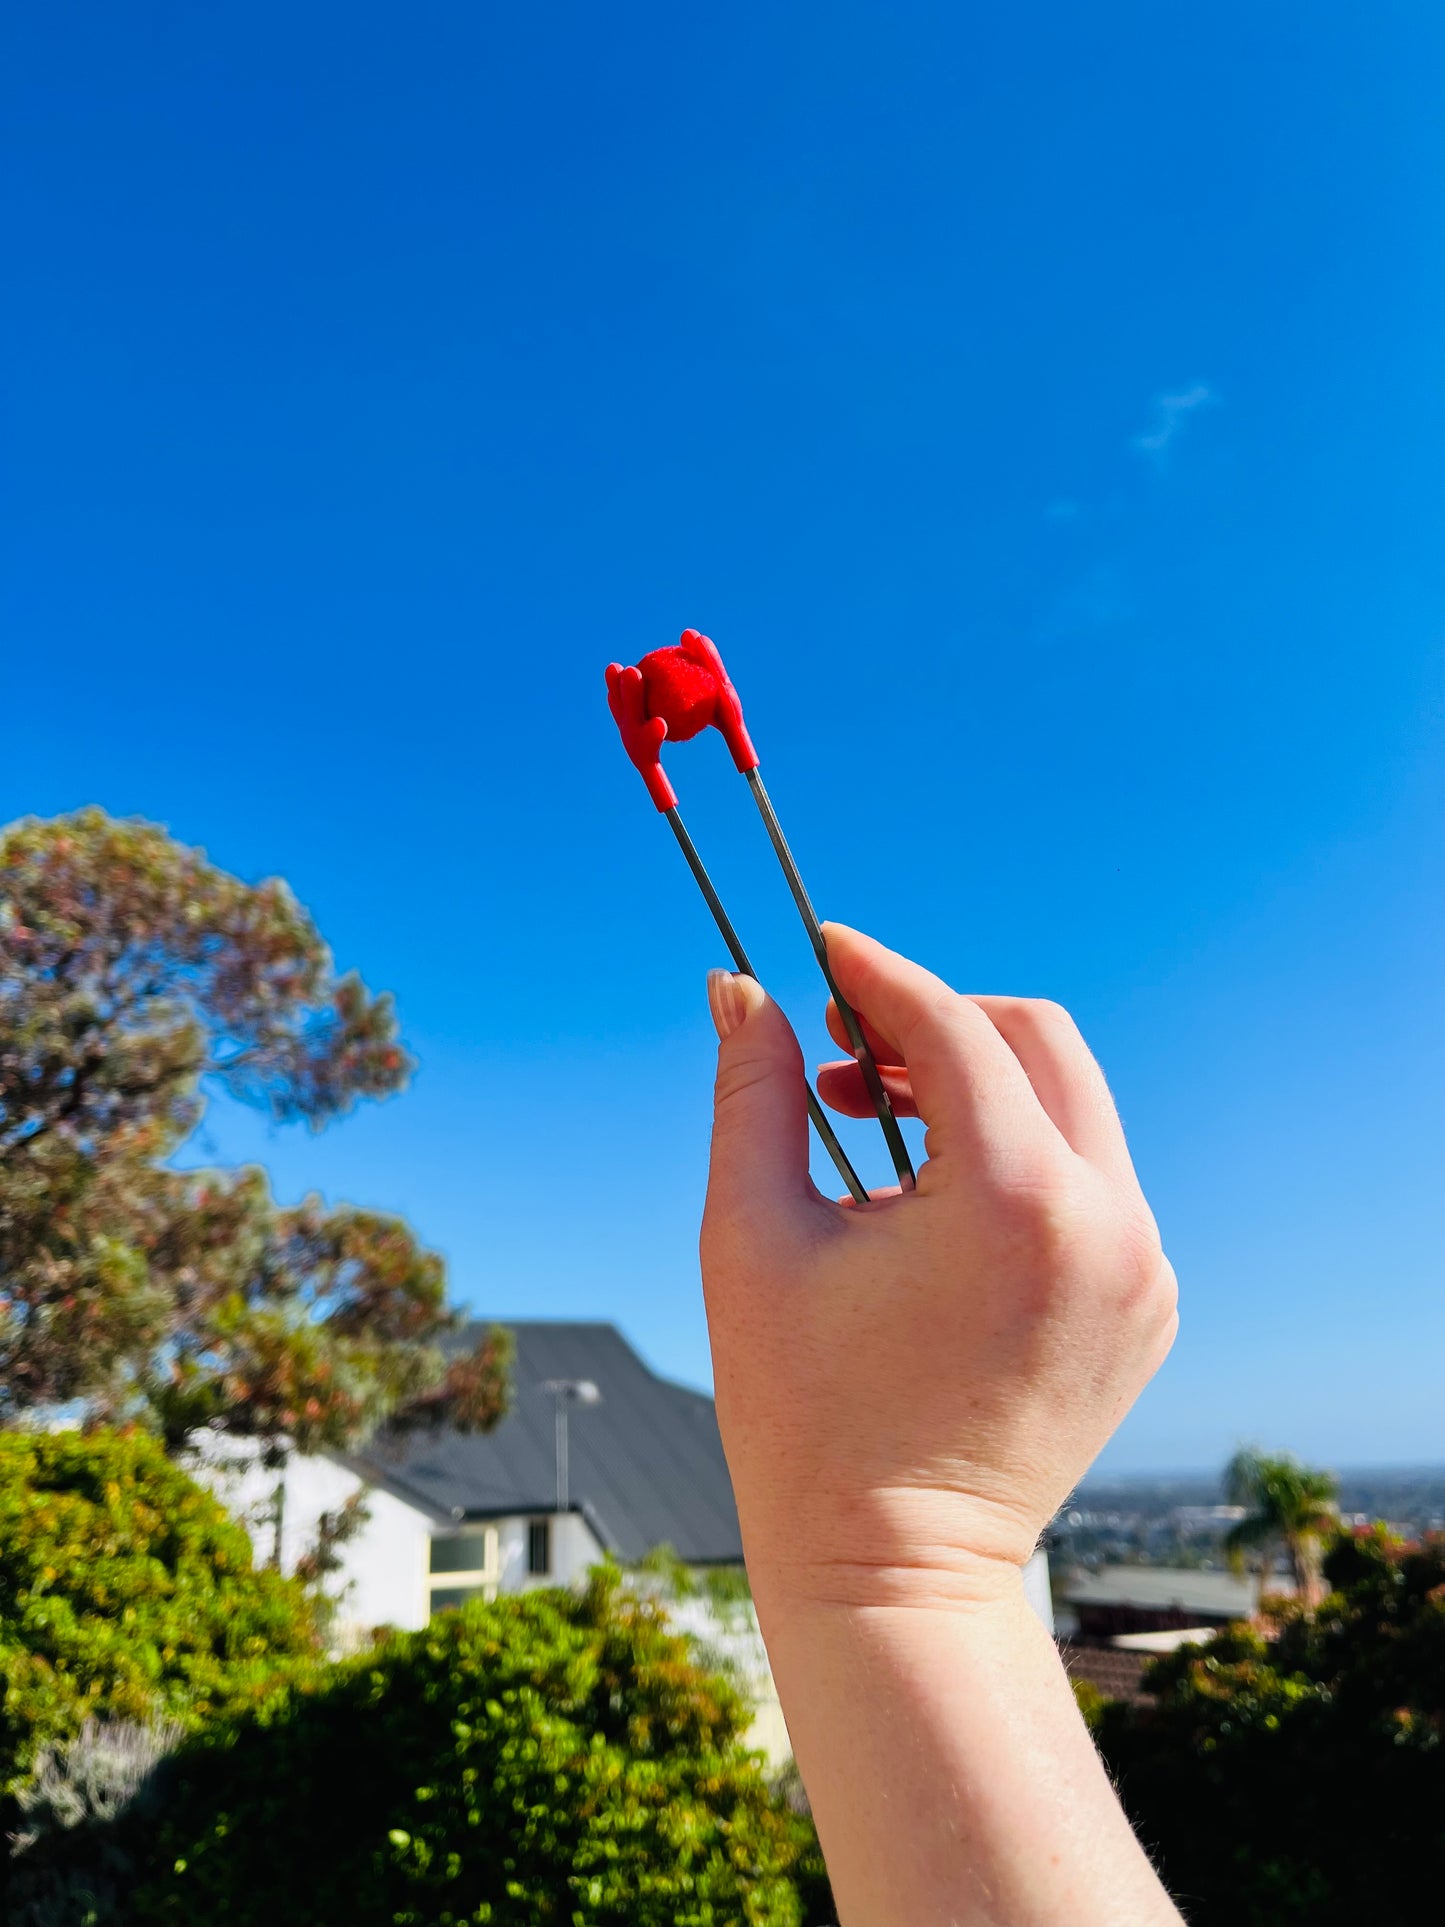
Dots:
pixel 680 690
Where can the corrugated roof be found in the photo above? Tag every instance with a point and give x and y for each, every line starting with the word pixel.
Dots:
pixel 1182 1589
pixel 646 1465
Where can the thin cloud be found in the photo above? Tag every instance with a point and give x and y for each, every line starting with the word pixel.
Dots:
pixel 1170 413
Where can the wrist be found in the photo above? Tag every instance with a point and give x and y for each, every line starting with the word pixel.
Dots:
pixel 840 1592
pixel 930 1550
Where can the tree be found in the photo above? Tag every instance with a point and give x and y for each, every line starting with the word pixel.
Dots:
pixel 546 1758
pixel 1289 1504
pixel 1295 1771
pixel 134 976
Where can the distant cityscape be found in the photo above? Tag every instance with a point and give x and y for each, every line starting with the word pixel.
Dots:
pixel 1181 1520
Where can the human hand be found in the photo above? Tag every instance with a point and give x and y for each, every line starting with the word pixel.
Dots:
pixel 908 1389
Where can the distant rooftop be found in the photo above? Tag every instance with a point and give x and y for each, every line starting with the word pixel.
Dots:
pixel 646 1465
pixel 1214 1595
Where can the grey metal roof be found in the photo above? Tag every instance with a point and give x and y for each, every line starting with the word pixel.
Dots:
pixel 1173 1587
pixel 646 1466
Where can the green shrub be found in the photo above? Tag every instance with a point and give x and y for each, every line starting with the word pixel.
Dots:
pixel 1090 1701
pixel 1297 1773
pixel 547 1758
pixel 127 1594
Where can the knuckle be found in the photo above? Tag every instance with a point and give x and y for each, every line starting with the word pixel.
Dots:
pixel 1045 1016
pixel 1037 1206
pixel 737 1076
pixel 1146 1279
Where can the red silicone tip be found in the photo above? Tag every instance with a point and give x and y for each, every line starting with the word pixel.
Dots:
pixel 679 689
pixel 673 694
pixel 641 735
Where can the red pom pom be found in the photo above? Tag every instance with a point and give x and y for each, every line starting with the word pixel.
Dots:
pixel 679 689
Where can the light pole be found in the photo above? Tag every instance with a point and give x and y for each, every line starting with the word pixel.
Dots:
pixel 567 1392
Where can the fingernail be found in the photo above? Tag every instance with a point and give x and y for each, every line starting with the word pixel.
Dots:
pixel 725 1001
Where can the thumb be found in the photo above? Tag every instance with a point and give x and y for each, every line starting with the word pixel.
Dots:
pixel 760 1105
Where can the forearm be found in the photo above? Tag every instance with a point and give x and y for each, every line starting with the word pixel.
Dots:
pixel 951 1777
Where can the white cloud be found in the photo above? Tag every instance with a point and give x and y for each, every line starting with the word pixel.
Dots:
pixel 1169 416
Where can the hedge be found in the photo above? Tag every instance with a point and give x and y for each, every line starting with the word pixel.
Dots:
pixel 126 1593
pixel 546 1758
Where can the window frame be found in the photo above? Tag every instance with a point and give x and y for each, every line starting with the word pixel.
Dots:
pixel 472 1581
pixel 539 1529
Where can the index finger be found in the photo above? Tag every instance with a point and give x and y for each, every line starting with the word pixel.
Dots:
pixel 970 1089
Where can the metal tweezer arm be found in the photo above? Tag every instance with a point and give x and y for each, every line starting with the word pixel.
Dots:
pixel 740 958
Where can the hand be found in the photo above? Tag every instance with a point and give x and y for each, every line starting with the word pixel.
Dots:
pixel 909 1389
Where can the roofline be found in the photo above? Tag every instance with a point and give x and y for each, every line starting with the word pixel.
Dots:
pixel 591 1324
pixel 400 1490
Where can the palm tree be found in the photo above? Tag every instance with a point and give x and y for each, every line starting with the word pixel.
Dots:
pixel 1288 1504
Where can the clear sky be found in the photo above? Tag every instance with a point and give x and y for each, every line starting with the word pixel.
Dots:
pixel 1041 405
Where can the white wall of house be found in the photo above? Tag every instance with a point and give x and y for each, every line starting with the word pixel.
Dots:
pixel 573 1549
pixel 389 1573
pixel 383 1580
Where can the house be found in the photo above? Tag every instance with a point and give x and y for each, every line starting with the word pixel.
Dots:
pixel 1155 1599
pixel 452 1515
pixel 1113 1622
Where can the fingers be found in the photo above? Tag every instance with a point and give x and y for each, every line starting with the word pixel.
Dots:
pixel 885 1194
pixel 968 1086
pixel 842 1089
pixel 760 1110
pixel 1065 1076
pixel 1060 1068
pixel 885 1049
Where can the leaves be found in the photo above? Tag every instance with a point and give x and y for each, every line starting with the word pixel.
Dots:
pixel 127 1593
pixel 544 1758
pixel 1290 1504
pixel 1270 1752
pixel 131 969
pixel 132 972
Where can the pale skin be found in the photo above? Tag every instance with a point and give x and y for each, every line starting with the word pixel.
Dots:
pixel 907 1391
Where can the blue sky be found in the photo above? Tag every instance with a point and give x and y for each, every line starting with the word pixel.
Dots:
pixel 1040 406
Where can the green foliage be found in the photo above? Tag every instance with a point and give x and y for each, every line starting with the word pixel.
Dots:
pixel 1289 1504
pixel 131 968
pixel 1297 1773
pixel 134 974
pixel 546 1758
pixel 725 1588
pixel 1090 1702
pixel 127 1594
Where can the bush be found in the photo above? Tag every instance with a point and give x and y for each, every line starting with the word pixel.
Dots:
pixel 1297 1773
pixel 546 1758
pixel 127 1594
pixel 70 1868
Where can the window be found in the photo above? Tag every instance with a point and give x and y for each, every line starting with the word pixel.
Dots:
pixel 539 1546
pixel 446 1599
pixel 462 1566
pixel 462 1552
